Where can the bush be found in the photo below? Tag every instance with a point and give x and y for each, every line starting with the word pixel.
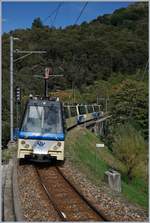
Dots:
pixel 130 148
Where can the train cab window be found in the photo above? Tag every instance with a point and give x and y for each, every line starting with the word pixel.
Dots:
pixel 46 119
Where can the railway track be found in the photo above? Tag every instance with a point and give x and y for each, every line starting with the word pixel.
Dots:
pixel 67 201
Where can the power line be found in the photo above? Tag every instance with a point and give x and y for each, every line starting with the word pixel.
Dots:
pixel 48 17
pixel 52 13
pixel 81 12
pixel 57 10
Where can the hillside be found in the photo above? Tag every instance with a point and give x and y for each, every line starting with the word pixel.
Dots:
pixel 111 45
pixel 80 151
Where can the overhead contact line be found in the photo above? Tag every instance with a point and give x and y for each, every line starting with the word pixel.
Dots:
pixel 82 10
pixel 57 10
pixel 53 12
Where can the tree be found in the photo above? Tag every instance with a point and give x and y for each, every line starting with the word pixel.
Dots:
pixel 129 102
pixel 89 52
pixel 37 23
pixel 129 146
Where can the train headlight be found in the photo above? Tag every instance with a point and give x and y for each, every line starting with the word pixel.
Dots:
pixel 23 142
pixel 59 144
pixel 55 147
pixel 27 146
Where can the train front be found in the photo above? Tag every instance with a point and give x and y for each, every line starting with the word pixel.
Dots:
pixel 41 136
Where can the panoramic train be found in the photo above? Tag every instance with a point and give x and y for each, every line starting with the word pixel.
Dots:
pixel 78 114
pixel 42 133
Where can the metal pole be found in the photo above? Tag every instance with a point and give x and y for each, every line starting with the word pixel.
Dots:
pixel 74 95
pixel 46 88
pixel 95 160
pixel 11 88
pixel 72 92
pixel 17 117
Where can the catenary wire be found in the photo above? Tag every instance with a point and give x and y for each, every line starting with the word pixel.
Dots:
pixel 52 13
pixel 82 10
pixel 57 10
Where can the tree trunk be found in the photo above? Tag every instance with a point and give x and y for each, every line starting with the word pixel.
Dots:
pixel 129 173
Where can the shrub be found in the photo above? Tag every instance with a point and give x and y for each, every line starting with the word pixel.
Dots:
pixel 129 146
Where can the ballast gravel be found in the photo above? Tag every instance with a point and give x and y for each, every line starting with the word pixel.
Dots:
pixel 110 203
pixel 35 203
pixel 37 207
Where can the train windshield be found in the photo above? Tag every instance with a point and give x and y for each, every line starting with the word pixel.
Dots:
pixel 43 119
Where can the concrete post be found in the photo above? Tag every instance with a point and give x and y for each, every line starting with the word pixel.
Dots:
pixel 113 178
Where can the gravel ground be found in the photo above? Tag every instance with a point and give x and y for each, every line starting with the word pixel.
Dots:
pixel 35 203
pixel 37 207
pixel 111 203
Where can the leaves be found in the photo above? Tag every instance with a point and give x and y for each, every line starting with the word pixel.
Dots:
pixel 94 51
pixel 129 146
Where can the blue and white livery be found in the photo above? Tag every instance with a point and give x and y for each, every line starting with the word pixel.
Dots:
pixel 42 134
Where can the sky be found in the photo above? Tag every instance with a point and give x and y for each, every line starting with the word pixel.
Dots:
pixel 20 15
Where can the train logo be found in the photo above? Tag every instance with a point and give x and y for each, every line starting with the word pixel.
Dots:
pixel 39 144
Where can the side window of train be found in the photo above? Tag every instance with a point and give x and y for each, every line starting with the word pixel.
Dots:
pixel 66 112
pixel 73 111
pixel 89 108
pixel 96 109
pixel 82 109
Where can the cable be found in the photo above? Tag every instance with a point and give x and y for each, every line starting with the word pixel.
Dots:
pixel 81 12
pixel 52 13
pixel 57 10
pixel 49 15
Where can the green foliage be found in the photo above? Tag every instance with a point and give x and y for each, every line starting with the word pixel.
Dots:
pixel 133 194
pixel 130 147
pixel 80 150
pixel 130 103
pixel 91 54
pixel 37 23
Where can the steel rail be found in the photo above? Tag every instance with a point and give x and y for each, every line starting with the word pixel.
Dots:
pixel 61 214
pixel 102 215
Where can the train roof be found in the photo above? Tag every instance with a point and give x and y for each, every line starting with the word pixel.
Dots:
pixel 42 102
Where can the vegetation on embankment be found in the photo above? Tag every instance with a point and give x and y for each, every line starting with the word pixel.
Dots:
pixel 8 154
pixel 80 149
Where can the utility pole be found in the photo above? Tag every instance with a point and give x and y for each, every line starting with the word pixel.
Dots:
pixel 47 75
pixel 11 78
pixel 48 72
pixel 106 99
pixel 73 92
pixel 11 88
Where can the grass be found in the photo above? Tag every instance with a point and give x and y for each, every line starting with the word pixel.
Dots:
pixel 7 154
pixel 133 194
pixel 80 148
